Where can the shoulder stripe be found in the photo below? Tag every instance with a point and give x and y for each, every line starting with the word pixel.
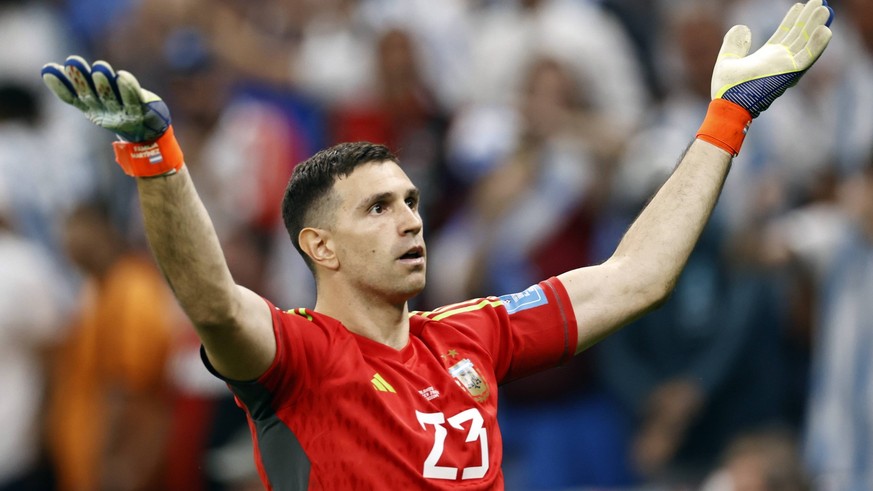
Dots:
pixel 301 312
pixel 487 302
pixel 456 308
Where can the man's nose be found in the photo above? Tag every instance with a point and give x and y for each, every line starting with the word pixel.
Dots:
pixel 411 222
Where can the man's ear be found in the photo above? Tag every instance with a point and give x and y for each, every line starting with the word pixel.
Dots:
pixel 317 244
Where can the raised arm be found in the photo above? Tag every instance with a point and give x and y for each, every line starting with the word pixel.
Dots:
pixel 234 324
pixel 646 265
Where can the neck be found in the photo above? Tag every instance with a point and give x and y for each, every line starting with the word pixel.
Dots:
pixel 369 316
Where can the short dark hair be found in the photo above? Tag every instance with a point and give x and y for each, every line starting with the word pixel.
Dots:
pixel 313 179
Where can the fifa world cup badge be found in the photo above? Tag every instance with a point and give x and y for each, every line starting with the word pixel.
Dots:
pixel 466 376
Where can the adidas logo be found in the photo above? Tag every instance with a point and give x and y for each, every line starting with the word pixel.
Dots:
pixel 381 384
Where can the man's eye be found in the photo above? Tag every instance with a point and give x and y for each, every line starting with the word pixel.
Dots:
pixel 377 209
pixel 411 202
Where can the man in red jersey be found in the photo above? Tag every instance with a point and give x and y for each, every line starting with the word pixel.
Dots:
pixel 360 393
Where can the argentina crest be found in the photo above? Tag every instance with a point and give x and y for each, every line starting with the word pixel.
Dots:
pixel 466 376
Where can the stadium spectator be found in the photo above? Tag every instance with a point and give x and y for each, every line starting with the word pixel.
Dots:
pixel 765 460
pixel 827 242
pixel 36 128
pixel 108 412
pixel 28 333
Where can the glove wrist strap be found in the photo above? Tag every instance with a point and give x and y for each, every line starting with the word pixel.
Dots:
pixel 725 125
pixel 148 159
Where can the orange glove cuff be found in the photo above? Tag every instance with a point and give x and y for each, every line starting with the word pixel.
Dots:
pixel 148 159
pixel 725 125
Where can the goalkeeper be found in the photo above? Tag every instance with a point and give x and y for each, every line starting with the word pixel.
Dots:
pixel 359 392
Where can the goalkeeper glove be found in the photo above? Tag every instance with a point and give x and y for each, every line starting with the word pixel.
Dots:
pixel 744 86
pixel 116 101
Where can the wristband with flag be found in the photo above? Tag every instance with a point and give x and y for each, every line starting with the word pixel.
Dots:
pixel 148 159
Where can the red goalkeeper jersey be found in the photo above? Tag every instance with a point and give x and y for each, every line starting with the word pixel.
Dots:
pixel 339 411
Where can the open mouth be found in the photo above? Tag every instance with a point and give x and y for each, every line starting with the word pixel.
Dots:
pixel 414 253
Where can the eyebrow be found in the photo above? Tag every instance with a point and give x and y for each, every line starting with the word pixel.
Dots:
pixel 412 192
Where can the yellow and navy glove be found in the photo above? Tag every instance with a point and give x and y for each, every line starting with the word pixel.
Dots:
pixel 116 101
pixel 744 86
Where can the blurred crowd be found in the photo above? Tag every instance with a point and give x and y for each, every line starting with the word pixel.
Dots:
pixel 536 129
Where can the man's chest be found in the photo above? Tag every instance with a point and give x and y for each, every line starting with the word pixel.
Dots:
pixel 433 413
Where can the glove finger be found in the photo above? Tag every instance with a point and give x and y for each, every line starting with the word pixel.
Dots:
pixel 104 82
pixel 157 114
pixel 818 18
pixel 79 73
pixel 814 48
pixel 130 92
pixel 56 80
pixel 736 43
pixel 798 30
pixel 786 24
pixel 149 96
pixel 831 17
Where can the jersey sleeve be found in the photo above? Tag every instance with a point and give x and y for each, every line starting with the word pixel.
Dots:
pixel 303 341
pixel 541 326
pixel 523 333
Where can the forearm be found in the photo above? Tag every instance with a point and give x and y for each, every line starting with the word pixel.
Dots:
pixel 186 247
pixel 234 323
pixel 647 262
pixel 659 242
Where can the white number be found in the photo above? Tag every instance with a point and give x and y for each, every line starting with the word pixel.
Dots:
pixel 439 438
pixel 476 432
